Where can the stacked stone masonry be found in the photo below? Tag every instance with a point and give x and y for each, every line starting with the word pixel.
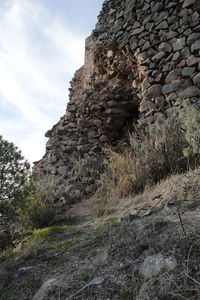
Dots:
pixel 142 56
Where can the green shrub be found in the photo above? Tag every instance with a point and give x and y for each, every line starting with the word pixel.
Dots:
pixel 38 207
pixel 14 175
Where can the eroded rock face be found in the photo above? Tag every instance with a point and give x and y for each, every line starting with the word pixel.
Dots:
pixel 141 57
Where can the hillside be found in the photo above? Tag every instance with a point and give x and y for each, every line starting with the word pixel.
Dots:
pixel 148 248
pixel 118 216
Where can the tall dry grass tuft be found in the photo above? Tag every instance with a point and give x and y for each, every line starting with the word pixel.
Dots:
pixel 117 181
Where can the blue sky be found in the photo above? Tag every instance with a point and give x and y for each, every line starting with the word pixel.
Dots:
pixel 41 46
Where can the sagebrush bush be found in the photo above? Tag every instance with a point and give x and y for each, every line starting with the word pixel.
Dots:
pixel 159 151
pixel 154 153
pixel 190 120
pixel 88 168
pixel 188 190
pixel 38 207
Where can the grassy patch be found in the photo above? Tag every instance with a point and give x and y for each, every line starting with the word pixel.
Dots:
pixel 48 233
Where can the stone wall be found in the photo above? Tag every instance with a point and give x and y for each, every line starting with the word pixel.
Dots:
pixel 142 56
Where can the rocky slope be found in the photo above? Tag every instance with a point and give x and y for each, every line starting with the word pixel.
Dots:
pixel 150 254
pixel 142 56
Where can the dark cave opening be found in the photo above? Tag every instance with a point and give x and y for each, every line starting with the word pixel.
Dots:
pixel 121 127
pixel 128 125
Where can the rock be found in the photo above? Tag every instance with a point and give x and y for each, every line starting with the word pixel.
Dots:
pixel 97 280
pixel 188 3
pixel 46 286
pixel 176 56
pixel 172 19
pixel 159 101
pixel 190 92
pixel 48 134
pixel 155 264
pixel 158 56
pixel 103 139
pixel 170 35
pixel 192 60
pixel 110 54
pixel 146 105
pixel 149 26
pixel 171 97
pixel 92 134
pixel 188 71
pixel 130 218
pixel 101 257
pixel 162 25
pixel 154 91
pixel 23 270
pixel 171 87
pixel 169 207
pixel 146 46
pixel 103 36
pixel 196 78
pixel 150 212
pixel 145 84
pixel 137 31
pixel 159 78
pixel 157 7
pixel 195 46
pixel 195 17
pixel 172 75
pixel 185 52
pixel 136 25
pixel 62 170
pixel 111 111
pixel 185 21
pixel 165 47
pixel 179 44
pixel 98 123
pixel 193 37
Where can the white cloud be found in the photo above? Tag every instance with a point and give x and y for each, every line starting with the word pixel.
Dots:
pixel 38 56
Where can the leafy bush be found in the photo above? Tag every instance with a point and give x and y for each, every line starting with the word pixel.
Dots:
pixel 38 207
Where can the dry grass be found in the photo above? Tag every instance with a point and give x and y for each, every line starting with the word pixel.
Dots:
pixel 116 182
pixel 184 188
